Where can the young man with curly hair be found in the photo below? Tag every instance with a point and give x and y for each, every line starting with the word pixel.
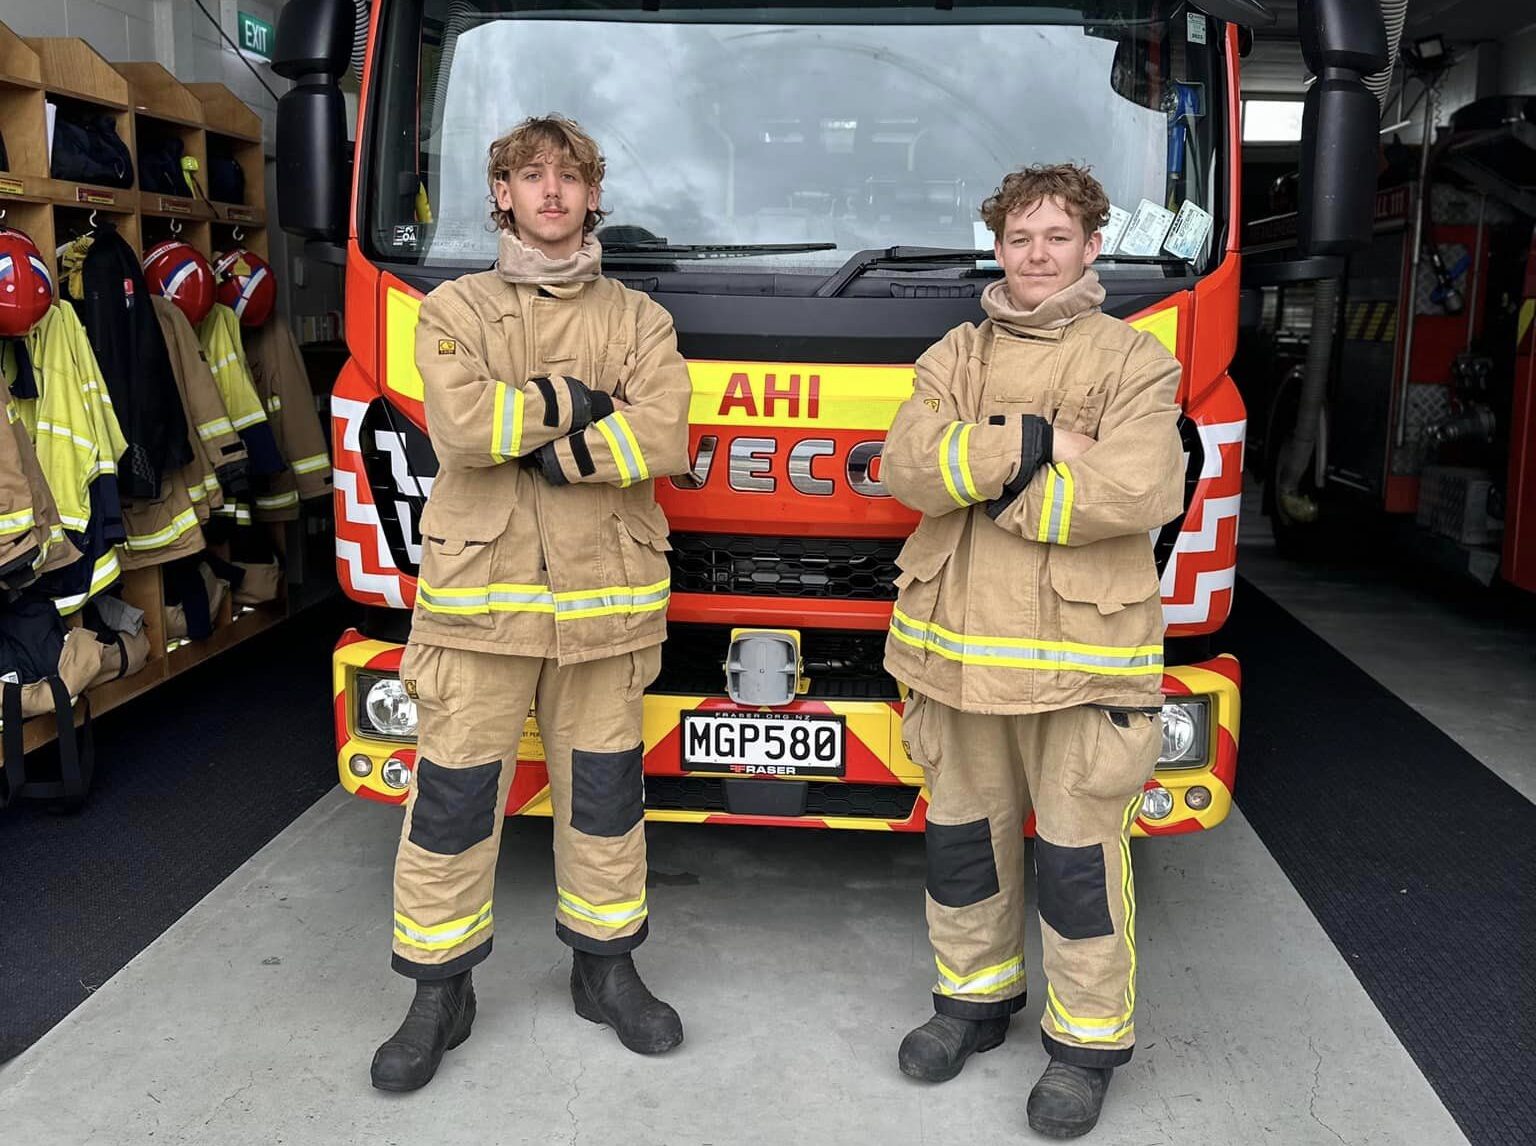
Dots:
pixel 554 398
pixel 1041 448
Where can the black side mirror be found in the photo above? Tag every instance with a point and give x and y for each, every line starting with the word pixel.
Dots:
pixel 1343 41
pixel 313 49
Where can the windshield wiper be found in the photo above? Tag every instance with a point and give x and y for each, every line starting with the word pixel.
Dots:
pixel 838 280
pixel 668 252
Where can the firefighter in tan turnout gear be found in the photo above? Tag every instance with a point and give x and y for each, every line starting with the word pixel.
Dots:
pixel 554 397
pixel 1041 447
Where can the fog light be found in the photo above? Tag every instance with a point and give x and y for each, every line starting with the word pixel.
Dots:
pixel 1198 798
pixel 390 709
pixel 1156 803
pixel 397 775
pixel 360 765
pixel 1186 732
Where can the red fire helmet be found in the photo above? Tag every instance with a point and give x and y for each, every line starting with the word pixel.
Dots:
pixel 26 290
pixel 179 272
pixel 245 285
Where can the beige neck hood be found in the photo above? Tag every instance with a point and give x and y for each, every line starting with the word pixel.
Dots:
pixel 517 262
pixel 1066 306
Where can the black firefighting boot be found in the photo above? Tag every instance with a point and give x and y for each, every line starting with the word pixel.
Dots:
pixel 607 989
pixel 935 1051
pixel 1065 1103
pixel 440 1017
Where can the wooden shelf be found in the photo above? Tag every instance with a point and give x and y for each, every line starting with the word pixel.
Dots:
pixel 239 215
pixel 154 92
pixel 19 64
pixel 90 197
pixel 173 207
pixel 72 68
pixel 225 113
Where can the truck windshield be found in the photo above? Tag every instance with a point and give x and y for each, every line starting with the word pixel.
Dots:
pixel 862 126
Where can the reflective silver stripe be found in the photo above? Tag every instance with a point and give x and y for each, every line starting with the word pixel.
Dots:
pixel 1053 655
pixel 1006 975
pixel 610 600
pixel 603 917
pixel 522 597
pixel 1058 494
pixel 508 420
pixel 312 464
pixel 250 420
pixel 958 475
pixel 278 501
pixel 1097 1032
pixel 620 441
pixel 215 428
pixel 423 938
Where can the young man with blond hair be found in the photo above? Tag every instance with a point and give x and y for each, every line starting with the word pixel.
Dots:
pixel 1041 448
pixel 554 397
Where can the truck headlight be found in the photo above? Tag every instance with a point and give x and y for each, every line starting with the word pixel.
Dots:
pixel 1186 733
pixel 384 708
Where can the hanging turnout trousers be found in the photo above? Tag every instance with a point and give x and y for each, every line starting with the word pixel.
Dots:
pixel 1028 626
pixel 549 591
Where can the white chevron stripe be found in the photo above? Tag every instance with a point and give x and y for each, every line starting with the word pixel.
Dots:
pixel 1207 584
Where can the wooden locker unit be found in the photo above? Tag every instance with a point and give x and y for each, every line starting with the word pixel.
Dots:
pixel 141 98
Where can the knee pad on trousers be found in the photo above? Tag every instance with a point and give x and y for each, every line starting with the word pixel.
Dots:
pixel 455 807
pixel 607 791
pixel 961 867
pixel 1073 893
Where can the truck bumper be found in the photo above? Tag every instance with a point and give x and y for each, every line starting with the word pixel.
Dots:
pixel 881 789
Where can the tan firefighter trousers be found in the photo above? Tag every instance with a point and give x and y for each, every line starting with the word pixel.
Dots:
pixel 1082 770
pixel 470 712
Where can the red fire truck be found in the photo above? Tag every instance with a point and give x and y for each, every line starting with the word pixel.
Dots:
pixel 798 185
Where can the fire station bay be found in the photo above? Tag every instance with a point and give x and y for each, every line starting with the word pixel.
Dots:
pixel 713 574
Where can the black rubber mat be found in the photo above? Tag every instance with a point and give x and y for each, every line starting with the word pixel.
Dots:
pixel 193 778
pixel 1418 861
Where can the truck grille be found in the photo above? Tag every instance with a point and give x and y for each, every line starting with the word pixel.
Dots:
pixel 868 801
pixel 854 569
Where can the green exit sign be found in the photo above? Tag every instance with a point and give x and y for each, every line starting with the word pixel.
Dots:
pixel 255 36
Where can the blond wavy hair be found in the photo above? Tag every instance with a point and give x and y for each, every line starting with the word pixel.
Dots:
pixel 1080 194
pixel 536 136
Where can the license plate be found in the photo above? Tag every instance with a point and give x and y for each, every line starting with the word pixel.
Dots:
pixel 763 743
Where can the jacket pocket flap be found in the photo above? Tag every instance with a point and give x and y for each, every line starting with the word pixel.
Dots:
pixel 1079 575
pixel 648 528
pixel 920 559
pixel 464 520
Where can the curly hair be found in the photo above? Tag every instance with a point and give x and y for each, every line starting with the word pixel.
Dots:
pixel 1080 194
pixel 532 138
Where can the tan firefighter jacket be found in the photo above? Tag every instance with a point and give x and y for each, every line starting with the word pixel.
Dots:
pixel 282 384
pixel 215 441
pixel 1056 602
pixel 511 563
pixel 30 530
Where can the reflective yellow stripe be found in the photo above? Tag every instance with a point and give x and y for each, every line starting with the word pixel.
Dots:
pixel 255 418
pixel 644 472
pixel 1048 496
pixel 17 522
pixel 626 475
pixel 312 464
pixel 1109 1028
pixel 610 915
pixel 1070 484
pixel 507 422
pixel 944 469
pixel 279 500
pixel 216 428
pixel 440 935
pixel 987 981
pixel 480 599
pixel 614 600
pixel 180 526
pixel 274 404
pixel 965 462
pixel 1025 653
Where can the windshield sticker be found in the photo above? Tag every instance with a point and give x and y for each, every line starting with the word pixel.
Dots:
pixel 982 237
pixel 1196 28
pixel 1114 230
pixel 1190 230
pixel 1148 227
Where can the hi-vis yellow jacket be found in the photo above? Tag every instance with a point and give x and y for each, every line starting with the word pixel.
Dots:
pixel 282 385
pixel 78 442
pixel 32 540
pixel 1052 601
pixel 510 563
pixel 219 334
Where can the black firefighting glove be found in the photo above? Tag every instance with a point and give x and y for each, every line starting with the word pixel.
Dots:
pixel 548 463
pixel 587 405
pixel 1034 452
pixel 234 479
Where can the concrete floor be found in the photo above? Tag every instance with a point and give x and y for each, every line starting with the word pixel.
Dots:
pixel 797 960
